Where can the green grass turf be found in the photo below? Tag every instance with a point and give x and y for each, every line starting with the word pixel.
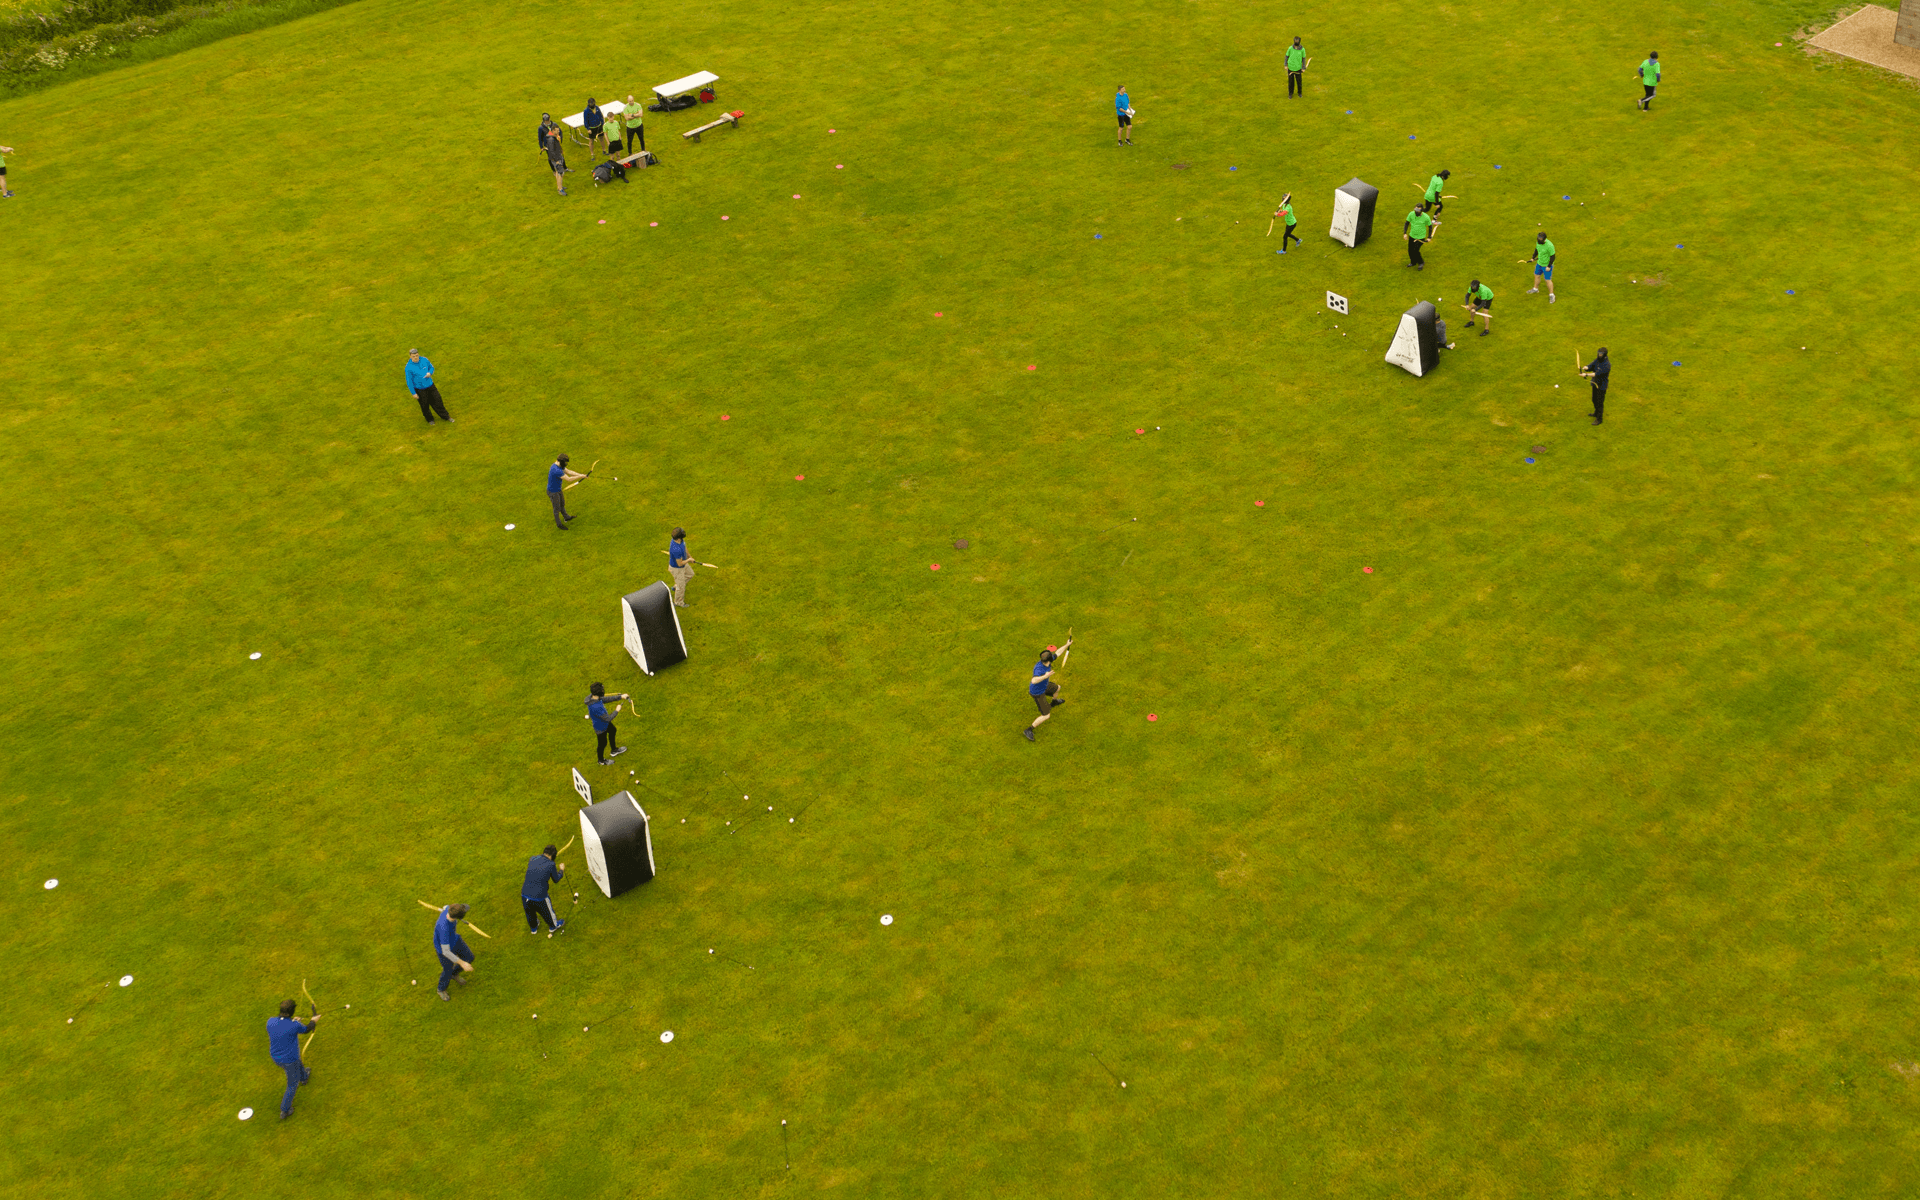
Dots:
pixel 1569 853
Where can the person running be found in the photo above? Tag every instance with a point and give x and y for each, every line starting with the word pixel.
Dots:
pixel 1649 74
pixel 1045 692
pixel 542 871
pixel 1598 370
pixel 1418 230
pixel 1286 210
pixel 605 735
pixel 557 159
pixel 1296 67
pixel 595 123
pixel 635 120
pixel 679 566
pixel 283 1044
pixel 450 949
pixel 420 383
pixel 1543 255
pixel 558 477
pixel 1123 109
pixel 1480 304
pixel 1434 199
pixel 6 192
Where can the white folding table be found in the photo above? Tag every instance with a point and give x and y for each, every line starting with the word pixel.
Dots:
pixel 678 87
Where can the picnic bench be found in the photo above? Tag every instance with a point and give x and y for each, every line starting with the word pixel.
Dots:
pixel 732 118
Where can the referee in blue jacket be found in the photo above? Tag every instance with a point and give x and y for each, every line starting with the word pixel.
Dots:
pixel 283 1043
pixel 420 383
pixel 542 871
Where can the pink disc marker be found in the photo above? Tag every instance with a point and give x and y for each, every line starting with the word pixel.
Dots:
pixel 1153 716
pixel 1368 570
pixel 725 417
pixel 1259 503
pixel 603 220
pixel 800 478
pixel 726 218
pixel 933 566
pixel 1032 367
pixel 839 166
pixel 653 224
pixel 1053 648
pixel 833 131
pixel 1139 431
pixel 940 314
pixel 796 195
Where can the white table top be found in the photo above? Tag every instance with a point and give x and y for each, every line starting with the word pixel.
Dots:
pixel 611 108
pixel 695 80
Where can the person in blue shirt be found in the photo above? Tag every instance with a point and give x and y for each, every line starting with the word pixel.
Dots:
pixel 558 477
pixel 541 872
pixel 596 124
pixel 603 729
pixel 420 383
pixel 1123 109
pixel 283 1043
pixel 1045 692
pixel 679 565
pixel 450 949
pixel 1598 370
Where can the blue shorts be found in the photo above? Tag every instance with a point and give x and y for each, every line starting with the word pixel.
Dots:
pixel 1546 272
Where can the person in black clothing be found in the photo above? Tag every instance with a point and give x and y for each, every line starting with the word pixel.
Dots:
pixel 557 159
pixel 541 871
pixel 1598 370
pixel 596 124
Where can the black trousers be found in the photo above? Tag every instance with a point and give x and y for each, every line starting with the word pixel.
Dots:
pixel 1646 101
pixel 1599 401
pixel 536 909
pixel 429 398
pixel 1295 86
pixel 636 138
pixel 608 739
pixel 1289 234
pixel 1413 252
pixel 560 514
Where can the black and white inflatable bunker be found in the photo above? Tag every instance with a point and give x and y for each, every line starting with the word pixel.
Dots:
pixel 619 847
pixel 1353 203
pixel 1416 344
pixel 652 628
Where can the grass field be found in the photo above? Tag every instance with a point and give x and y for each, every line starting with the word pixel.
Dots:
pixel 1568 852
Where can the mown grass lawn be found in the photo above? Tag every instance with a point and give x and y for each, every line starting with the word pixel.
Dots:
pixel 1568 852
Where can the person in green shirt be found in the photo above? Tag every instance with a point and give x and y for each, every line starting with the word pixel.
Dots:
pixel 635 120
pixel 1542 265
pixel 1434 199
pixel 6 193
pixel 1480 304
pixel 1286 210
pixel 1296 64
pixel 1649 79
pixel 1417 231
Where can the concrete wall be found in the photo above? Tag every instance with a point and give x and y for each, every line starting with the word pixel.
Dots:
pixel 1907 32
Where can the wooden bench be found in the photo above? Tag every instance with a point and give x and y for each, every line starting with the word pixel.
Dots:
pixel 732 118
pixel 644 158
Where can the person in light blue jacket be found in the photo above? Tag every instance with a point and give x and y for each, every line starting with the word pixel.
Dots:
pixel 420 383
